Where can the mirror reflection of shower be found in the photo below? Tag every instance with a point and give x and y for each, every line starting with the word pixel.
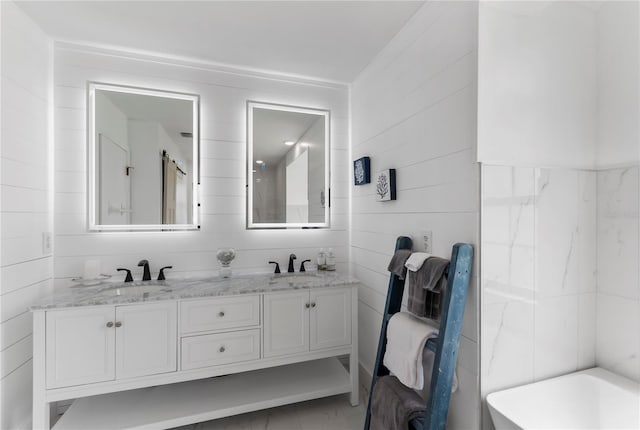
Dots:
pixel 288 166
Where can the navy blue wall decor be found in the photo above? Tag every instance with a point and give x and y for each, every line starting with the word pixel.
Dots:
pixel 362 171
pixel 386 185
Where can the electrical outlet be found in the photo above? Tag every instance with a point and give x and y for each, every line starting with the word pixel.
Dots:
pixel 427 241
pixel 46 242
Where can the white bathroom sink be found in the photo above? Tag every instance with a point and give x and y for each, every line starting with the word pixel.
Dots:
pixel 293 278
pixel 142 288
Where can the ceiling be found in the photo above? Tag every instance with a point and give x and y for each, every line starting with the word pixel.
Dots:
pixel 327 40
pixel 174 115
pixel 271 128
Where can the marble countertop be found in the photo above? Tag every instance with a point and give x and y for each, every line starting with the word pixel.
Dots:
pixel 147 291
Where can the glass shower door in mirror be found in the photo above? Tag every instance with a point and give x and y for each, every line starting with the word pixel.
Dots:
pixel 287 166
pixel 143 159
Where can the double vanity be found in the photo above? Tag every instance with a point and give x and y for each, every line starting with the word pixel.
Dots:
pixel 163 354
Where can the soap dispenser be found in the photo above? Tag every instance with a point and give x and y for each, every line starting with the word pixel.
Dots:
pixel 330 260
pixel 321 260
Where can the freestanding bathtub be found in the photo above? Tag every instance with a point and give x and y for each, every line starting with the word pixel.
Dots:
pixel 590 399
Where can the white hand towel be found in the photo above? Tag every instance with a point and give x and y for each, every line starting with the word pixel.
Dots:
pixel 416 260
pixel 406 338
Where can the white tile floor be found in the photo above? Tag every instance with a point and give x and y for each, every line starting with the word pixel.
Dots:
pixel 330 413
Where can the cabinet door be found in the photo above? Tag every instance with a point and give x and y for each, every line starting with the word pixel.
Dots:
pixel 330 318
pixel 79 346
pixel 286 323
pixel 146 339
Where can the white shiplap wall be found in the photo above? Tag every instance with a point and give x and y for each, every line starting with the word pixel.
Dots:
pixel 223 111
pixel 414 109
pixel 25 270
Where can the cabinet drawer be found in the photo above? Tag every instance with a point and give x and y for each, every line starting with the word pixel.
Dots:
pixel 219 313
pixel 223 348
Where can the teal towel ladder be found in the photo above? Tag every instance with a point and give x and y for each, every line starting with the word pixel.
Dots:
pixel 445 346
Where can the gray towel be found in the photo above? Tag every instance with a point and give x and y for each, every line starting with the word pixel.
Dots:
pixel 396 265
pixel 431 274
pixel 426 287
pixel 393 405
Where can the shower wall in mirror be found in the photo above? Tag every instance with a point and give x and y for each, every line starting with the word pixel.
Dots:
pixel 287 166
pixel 143 159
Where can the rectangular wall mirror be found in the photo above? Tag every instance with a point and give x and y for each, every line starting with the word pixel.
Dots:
pixel 143 159
pixel 287 166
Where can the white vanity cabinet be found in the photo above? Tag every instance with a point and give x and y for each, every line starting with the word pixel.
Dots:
pixel 296 322
pixel 194 357
pixel 96 344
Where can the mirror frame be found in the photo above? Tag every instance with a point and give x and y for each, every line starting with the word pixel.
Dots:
pixel 251 105
pixel 92 170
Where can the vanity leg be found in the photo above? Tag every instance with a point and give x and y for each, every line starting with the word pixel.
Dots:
pixel 353 357
pixel 41 414
pixel 353 371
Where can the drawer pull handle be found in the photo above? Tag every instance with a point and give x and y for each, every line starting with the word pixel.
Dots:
pixel 118 324
pixel 313 305
pixel 221 314
pixel 307 305
pixel 110 324
pixel 222 349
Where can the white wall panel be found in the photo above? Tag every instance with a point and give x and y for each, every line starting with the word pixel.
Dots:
pixel 15 355
pixel 15 329
pixel 25 269
pixel 537 103
pixel 414 109
pixel 16 398
pixel 618 49
pixel 222 191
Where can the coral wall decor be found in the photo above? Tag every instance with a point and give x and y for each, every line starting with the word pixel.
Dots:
pixel 362 171
pixel 386 185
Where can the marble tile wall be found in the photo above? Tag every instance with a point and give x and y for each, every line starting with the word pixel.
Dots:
pixel 538 274
pixel 618 294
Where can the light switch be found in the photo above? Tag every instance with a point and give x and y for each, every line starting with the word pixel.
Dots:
pixel 46 242
pixel 426 241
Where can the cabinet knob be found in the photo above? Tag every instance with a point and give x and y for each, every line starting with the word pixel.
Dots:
pixel 110 324
pixel 118 324
pixel 222 349
pixel 313 305
pixel 307 305
pixel 221 314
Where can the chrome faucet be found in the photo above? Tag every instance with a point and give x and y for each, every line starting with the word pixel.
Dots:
pixel 146 275
pixel 290 269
